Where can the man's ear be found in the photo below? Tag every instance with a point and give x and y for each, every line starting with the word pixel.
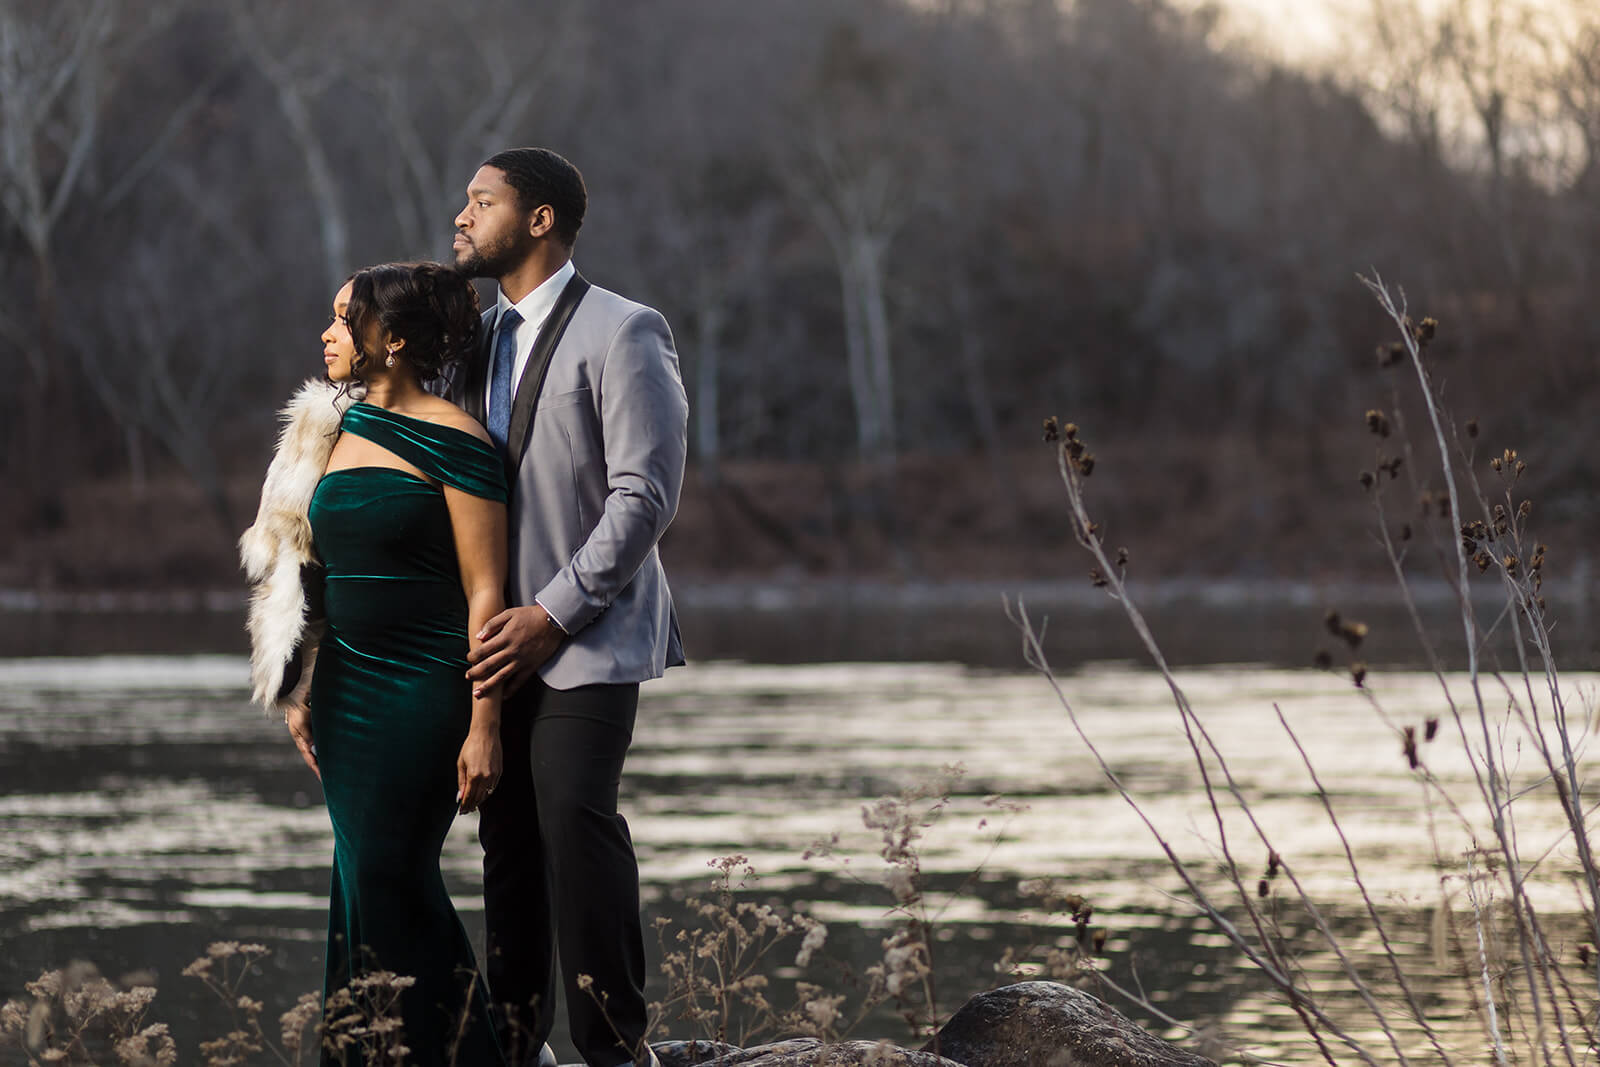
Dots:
pixel 542 221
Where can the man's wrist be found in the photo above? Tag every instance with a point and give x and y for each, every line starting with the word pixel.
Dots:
pixel 555 622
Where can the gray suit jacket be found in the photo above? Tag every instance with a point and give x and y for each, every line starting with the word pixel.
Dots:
pixel 596 484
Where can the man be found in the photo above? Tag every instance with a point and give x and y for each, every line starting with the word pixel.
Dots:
pixel 581 389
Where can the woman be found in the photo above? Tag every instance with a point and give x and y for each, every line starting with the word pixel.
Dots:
pixel 398 498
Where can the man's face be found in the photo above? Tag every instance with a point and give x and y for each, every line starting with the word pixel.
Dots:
pixel 492 237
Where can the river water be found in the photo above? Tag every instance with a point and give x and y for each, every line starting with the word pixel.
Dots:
pixel 146 810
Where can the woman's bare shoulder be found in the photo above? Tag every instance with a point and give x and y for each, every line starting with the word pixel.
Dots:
pixel 437 409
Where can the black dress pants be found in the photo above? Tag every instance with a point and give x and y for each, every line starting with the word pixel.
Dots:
pixel 560 880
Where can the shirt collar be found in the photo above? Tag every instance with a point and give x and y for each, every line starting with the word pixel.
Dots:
pixel 537 305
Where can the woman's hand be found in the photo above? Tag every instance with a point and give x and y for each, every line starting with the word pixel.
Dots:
pixel 478 767
pixel 297 716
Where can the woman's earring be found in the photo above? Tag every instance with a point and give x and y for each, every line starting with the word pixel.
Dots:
pixel 390 361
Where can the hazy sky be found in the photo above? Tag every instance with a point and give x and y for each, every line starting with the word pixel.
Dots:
pixel 1294 30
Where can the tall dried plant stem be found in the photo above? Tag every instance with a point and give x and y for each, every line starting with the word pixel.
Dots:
pixel 1086 534
pixel 1312 1017
pixel 1495 799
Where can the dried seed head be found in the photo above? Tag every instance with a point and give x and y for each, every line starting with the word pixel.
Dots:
pixel 1331 620
pixel 1430 728
pixel 1070 431
pixel 1367 480
pixel 1425 330
pixel 1409 746
pixel 1392 467
pixel 1086 464
pixel 1378 422
pixel 1499 511
pixel 1273 861
pixel 1496 464
pixel 1353 633
pixel 1099 940
pixel 1052 430
pixel 1524 509
pixel 1358 672
pixel 1483 559
pixel 1390 354
pixel 1122 557
pixel 1518 469
pixel 1510 563
pixel 1472 427
pixel 1262 889
pixel 1405 532
pixel 1096 579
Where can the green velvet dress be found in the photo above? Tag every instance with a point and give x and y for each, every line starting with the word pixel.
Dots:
pixel 390 708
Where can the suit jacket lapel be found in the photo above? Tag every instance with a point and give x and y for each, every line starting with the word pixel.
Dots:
pixel 527 399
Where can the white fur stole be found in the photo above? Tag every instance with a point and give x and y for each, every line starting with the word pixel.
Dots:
pixel 278 544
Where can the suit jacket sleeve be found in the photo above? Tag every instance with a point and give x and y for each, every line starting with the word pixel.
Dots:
pixel 644 418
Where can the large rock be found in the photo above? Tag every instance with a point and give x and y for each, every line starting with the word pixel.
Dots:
pixel 1045 1024
pixel 717 1054
pixel 797 1052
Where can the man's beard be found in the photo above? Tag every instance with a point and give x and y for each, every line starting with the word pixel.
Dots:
pixel 494 261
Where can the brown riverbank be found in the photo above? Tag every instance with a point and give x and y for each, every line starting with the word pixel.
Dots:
pixel 1187 506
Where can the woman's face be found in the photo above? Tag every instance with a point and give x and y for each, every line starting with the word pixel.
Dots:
pixel 338 347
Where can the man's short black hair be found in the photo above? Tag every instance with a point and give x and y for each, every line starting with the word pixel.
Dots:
pixel 541 176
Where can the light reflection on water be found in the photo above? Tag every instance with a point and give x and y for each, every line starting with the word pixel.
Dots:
pixel 146 810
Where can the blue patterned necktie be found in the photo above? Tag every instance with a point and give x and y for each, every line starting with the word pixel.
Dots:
pixel 505 359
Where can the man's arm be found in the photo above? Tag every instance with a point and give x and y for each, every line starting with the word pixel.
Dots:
pixel 644 417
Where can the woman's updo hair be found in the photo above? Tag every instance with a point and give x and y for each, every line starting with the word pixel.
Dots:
pixel 431 306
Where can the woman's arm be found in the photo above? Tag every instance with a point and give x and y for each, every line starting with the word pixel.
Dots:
pixel 480 534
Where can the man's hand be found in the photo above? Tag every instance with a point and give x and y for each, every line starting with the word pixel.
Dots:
pixel 515 643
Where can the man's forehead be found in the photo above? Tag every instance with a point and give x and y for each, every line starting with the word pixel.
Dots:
pixel 488 180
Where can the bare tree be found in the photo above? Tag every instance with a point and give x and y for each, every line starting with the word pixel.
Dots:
pixel 59 63
pixel 174 375
pixel 852 168
pixel 460 95
pixel 292 46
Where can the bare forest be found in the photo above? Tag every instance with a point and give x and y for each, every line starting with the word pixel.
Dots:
pixel 891 238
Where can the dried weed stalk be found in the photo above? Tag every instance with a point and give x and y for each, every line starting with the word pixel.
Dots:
pixel 1530 1006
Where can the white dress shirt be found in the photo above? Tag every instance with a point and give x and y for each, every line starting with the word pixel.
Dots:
pixel 534 309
